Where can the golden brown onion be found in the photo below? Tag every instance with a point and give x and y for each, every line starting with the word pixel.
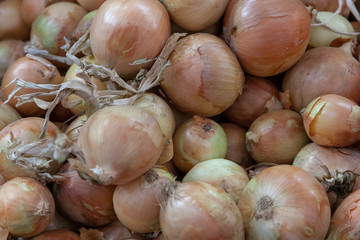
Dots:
pixel 204 77
pixel 10 50
pixel 83 26
pixel 124 31
pixel 268 36
pixel 7 115
pixel 30 9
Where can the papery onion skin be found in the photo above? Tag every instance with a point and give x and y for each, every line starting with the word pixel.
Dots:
pixel 57 235
pixel 130 139
pixel 20 132
pixel 284 202
pixel 332 120
pixel 195 15
pixel 120 34
pixel 10 50
pixel 221 172
pixel 276 137
pixel 73 130
pixel 316 74
pixel 335 168
pixel 26 207
pixel 7 115
pixel 29 70
pixel 198 139
pixel 268 36
pixel 197 210
pixel 204 77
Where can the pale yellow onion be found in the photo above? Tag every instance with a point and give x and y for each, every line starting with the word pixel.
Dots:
pixel 204 77
pixel 268 36
pixel 195 15
pixel 124 31
pixel 223 173
pixel 284 202
pixel 7 115
pixel 332 120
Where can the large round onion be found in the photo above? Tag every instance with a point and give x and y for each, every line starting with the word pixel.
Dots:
pixel 284 202
pixel 204 77
pixel 197 210
pixel 127 30
pixel 119 143
pixel 268 36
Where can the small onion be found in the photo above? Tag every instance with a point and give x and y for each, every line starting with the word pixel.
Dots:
pixel 195 15
pixel 7 115
pixel 119 143
pixel 10 50
pixel 26 207
pixel 197 210
pixel 204 77
pixel 90 5
pixel 57 235
pixel 137 203
pixel 223 173
pixel 199 139
pixel 268 36
pixel 83 26
pixel 124 31
pixel 33 71
pixel 83 201
pixel 259 96
pixel 284 202
pixel 276 137
pixel 333 120
pixel 116 231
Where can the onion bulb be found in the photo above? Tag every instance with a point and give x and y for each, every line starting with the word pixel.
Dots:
pixel 57 235
pixel 124 31
pixel 119 144
pixel 7 115
pixel 83 26
pixel 73 130
pixel 90 5
pixel 204 77
pixel 196 210
pixel 284 202
pixel 26 207
pixel 10 50
pixel 332 120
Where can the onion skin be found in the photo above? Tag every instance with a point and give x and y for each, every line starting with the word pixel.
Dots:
pixel 276 137
pixel 90 5
pixel 26 207
pixel 335 168
pixel 73 130
pixel 284 202
pixel 83 26
pixel 332 120
pixel 199 139
pixel 120 34
pixel 268 36
pixel 10 50
pixel 131 141
pixel 316 74
pixel 57 235
pixel 328 5
pixel 199 210
pixel 30 9
pixel 204 77
pixel 7 115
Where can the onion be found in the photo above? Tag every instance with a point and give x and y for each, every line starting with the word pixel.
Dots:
pixel 10 50
pixel 131 143
pixel 137 203
pixel 116 231
pixel 59 222
pixel 33 71
pixel 199 139
pixel 276 137
pixel 320 36
pixel 204 77
pixel 165 117
pixel 7 115
pixel 12 24
pixel 171 168
pixel 54 23
pixel 121 30
pixel 17 134
pixel 197 210
pixel 83 26
pixel 321 71
pixel 268 36
pixel 223 173
pixel 30 9
pixel 73 130
pixel 333 120
pixel 259 96
pixel 284 202
pixel 236 150
pixel 195 15
pixel 26 207
pixel 328 5
pixel 83 201
pixel 345 220
pixel 90 5
pixel 335 168
pixel 57 235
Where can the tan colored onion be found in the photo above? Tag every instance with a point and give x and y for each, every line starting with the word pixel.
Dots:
pixel 83 26
pixel 124 31
pixel 10 50
pixel 332 120
pixel 30 9
pixel 7 115
pixel 195 15
pixel 204 77
pixel 268 36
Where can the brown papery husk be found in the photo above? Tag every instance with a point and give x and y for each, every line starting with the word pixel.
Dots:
pixel 335 168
